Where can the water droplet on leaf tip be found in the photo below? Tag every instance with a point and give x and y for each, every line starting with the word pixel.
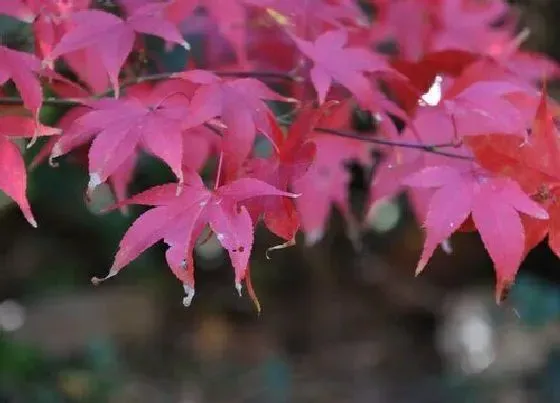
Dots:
pixel 189 295
pixel 314 236
pixel 96 281
pixel 33 222
pixel 94 181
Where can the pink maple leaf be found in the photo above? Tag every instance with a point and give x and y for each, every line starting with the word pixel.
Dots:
pixel 326 183
pixel 239 103
pixel 345 65
pixel 467 25
pixel 113 38
pixel 13 177
pixel 406 22
pixel 289 161
pixel 17 9
pixel 50 21
pixel 22 68
pixel 179 220
pixel 312 15
pixel 494 204
pixel 117 127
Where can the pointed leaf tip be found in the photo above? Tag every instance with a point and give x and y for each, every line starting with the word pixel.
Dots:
pixel 420 267
pixel 503 288
pixel 186 45
pixel 238 287
pixel 31 220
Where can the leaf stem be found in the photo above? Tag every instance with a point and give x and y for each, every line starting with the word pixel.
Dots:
pixel 219 170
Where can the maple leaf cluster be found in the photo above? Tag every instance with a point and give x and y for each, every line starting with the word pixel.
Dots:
pixel 463 121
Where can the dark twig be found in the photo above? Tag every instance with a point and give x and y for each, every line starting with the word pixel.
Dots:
pixel 239 74
pixel 69 102
pixel 66 102
pixel 429 148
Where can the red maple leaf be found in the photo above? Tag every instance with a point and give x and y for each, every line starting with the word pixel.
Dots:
pixel 112 38
pixel 166 99
pixel 239 103
pixel 333 61
pixel 422 73
pixel 468 25
pixel 23 69
pixel 289 161
pixel 325 184
pixel 421 26
pixel 409 23
pixel 17 9
pixel 533 159
pixel 482 98
pixel 534 162
pixel 312 15
pixel 179 220
pixel 229 17
pixel 493 202
pixel 431 127
pixel 117 127
pixel 50 21
pixel 13 177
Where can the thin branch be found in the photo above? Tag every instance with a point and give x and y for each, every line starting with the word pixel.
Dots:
pixel 165 76
pixel 258 74
pixel 429 148
pixel 219 170
pixel 67 102
pixel 239 74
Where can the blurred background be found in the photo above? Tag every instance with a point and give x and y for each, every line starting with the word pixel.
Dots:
pixel 337 325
